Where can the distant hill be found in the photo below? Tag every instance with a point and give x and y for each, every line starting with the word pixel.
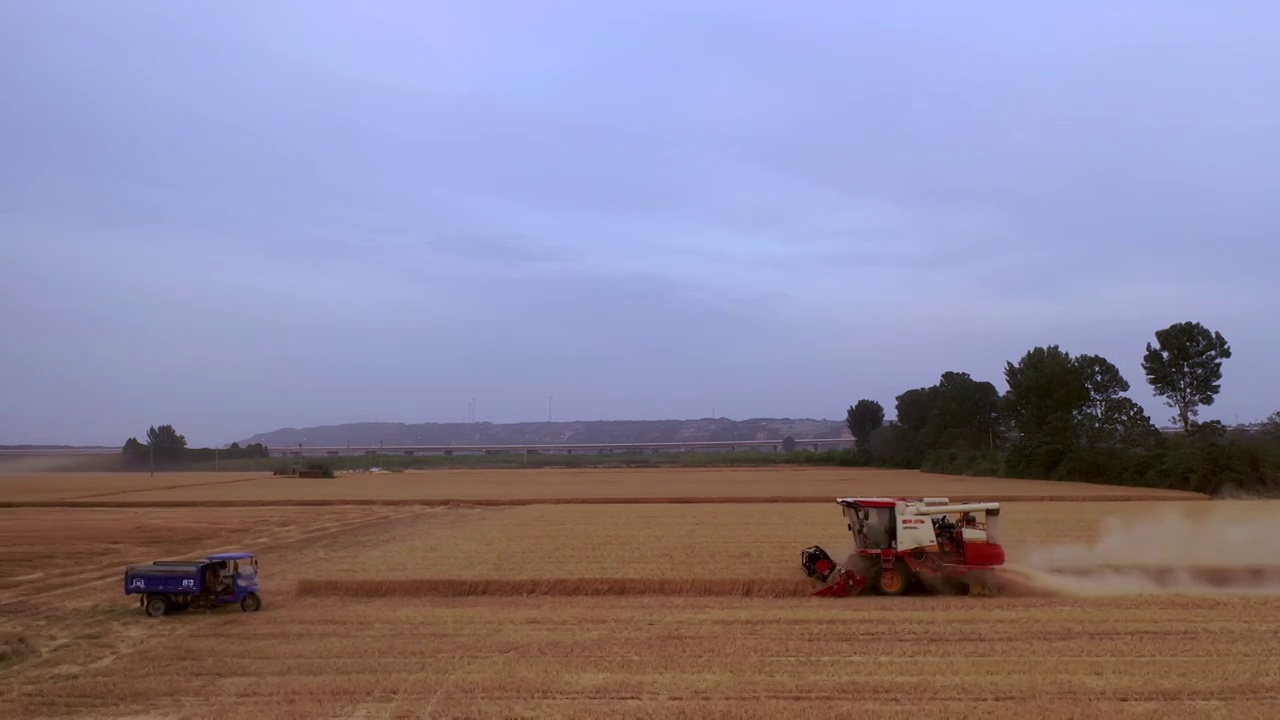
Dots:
pixel 535 433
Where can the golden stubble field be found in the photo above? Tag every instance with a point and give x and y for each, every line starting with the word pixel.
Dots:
pixel 541 485
pixel 71 645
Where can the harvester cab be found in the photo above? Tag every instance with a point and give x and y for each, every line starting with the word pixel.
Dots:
pixel 899 543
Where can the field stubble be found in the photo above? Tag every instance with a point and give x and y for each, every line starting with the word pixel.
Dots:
pixel 543 485
pixel 754 550
pixel 692 657
pixel 91 653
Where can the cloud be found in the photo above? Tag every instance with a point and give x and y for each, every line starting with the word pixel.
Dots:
pixel 375 212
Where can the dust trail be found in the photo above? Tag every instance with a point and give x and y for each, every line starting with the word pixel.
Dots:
pixel 1232 548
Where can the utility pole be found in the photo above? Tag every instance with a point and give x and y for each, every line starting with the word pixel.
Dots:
pixel 549 406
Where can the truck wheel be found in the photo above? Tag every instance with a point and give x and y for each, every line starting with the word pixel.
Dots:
pixel 251 603
pixel 892 581
pixel 157 606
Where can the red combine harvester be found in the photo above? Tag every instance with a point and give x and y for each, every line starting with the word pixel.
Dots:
pixel 900 544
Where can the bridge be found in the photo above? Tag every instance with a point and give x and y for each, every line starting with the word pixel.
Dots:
pixel 816 444
pixel 46 451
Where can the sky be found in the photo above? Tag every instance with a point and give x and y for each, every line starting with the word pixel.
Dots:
pixel 239 217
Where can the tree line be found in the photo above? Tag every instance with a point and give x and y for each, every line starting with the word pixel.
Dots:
pixel 1066 417
pixel 167 448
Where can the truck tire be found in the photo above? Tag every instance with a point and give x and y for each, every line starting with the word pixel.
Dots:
pixel 251 603
pixel 157 605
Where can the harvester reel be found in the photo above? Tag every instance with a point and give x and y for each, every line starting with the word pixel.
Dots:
pixel 817 563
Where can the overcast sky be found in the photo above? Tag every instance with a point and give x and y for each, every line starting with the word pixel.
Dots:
pixel 238 217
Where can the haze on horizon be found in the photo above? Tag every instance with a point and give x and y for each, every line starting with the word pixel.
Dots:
pixel 312 212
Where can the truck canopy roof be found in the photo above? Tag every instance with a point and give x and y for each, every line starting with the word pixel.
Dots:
pixel 231 556
pixel 171 570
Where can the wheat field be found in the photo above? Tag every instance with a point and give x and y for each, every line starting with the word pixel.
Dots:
pixel 640 610
pixel 786 483
pixel 643 541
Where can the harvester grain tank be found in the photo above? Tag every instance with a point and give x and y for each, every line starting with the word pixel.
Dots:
pixel 901 544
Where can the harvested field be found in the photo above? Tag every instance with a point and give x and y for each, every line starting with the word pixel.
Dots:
pixel 47 552
pixel 544 486
pixel 561 587
pixel 545 657
pixel 655 610
pixel 78 486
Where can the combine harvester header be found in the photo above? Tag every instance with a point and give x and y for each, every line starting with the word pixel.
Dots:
pixel 900 544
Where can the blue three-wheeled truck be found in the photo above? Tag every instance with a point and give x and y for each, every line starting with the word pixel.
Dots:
pixel 177 585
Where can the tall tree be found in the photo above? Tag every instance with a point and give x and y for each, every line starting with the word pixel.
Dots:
pixel 890 445
pixel 166 442
pixel 1185 368
pixel 864 418
pixel 1271 426
pixel 1045 394
pixel 134 452
pixel 914 408
pixel 965 414
pixel 1107 416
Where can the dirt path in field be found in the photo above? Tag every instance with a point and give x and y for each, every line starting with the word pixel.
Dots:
pixel 180 486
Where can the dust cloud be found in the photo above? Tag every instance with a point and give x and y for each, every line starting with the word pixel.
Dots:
pixel 41 463
pixel 1220 548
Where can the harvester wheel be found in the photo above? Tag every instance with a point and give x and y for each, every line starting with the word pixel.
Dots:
pixel 157 606
pixel 892 581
